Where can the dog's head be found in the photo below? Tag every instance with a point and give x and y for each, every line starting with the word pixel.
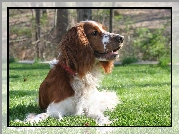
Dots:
pixel 104 44
pixel 88 42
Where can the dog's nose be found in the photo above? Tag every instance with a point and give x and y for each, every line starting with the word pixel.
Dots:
pixel 119 38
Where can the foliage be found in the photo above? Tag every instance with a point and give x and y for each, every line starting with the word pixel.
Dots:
pixel 118 17
pixel 144 90
pixel 100 15
pixel 128 60
pixel 12 60
pixel 14 12
pixel 20 31
pixel 44 20
pixel 164 60
pixel 152 44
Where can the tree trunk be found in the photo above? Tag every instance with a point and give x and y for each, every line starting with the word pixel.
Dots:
pixel 44 11
pixel 84 14
pixel 110 20
pixel 37 11
pixel 61 24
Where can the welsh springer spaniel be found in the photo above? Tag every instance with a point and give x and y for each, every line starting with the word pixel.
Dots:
pixel 70 87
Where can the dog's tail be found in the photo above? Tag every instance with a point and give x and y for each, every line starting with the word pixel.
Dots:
pixel 53 62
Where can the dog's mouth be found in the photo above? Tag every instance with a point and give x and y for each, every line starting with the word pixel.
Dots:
pixel 111 55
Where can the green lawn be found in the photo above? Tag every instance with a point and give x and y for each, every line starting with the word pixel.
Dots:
pixel 145 91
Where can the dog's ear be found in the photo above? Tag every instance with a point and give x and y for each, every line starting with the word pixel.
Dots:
pixel 81 35
pixel 76 52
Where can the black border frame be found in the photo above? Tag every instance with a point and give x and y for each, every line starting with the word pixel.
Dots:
pixel 78 8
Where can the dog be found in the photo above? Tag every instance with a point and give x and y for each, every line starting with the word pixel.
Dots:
pixel 71 86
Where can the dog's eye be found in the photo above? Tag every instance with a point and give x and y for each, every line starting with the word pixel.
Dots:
pixel 94 33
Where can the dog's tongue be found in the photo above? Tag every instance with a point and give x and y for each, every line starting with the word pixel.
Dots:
pixel 107 56
pixel 110 53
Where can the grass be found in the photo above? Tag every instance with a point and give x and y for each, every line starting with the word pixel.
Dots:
pixel 145 91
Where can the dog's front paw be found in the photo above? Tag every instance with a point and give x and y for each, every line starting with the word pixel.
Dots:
pixel 103 121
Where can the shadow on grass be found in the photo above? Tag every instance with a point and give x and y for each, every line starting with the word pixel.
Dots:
pixel 21 111
pixel 14 76
pixel 21 93
pixel 17 66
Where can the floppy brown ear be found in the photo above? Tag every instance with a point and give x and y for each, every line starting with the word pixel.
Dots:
pixel 76 52
pixel 81 35
pixel 107 66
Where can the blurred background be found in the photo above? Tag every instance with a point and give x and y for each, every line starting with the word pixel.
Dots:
pixel 34 34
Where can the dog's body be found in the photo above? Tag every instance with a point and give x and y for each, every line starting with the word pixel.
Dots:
pixel 70 87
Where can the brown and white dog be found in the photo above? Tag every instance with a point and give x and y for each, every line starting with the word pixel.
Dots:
pixel 70 87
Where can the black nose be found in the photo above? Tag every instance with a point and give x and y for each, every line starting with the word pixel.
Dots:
pixel 119 38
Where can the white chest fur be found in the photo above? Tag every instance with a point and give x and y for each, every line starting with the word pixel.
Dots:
pixel 87 99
